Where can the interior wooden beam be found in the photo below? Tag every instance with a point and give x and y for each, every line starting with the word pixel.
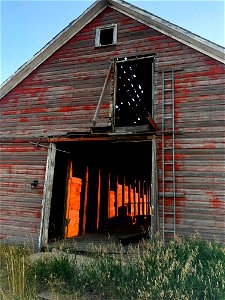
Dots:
pixel 85 202
pixel 108 192
pixel 129 198
pixel 135 211
pixel 123 192
pixel 98 199
pixel 139 187
pixel 116 196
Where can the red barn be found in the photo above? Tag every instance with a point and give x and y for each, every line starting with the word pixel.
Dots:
pixel 116 125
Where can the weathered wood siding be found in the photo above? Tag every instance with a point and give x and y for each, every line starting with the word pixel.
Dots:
pixel 61 96
pixel 20 206
pixel 199 144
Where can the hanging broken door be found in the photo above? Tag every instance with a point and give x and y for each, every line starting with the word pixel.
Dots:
pixel 73 204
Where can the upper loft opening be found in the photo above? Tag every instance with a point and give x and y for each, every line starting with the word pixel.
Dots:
pixel 133 103
pixel 106 35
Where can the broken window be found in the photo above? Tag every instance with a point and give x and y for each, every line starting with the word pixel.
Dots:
pixel 134 92
pixel 106 35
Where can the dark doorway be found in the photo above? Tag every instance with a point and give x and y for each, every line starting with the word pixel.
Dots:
pixel 57 213
pixel 115 193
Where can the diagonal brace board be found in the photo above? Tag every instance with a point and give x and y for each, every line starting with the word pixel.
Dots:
pixel 102 94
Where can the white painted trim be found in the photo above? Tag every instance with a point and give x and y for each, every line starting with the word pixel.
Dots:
pixel 98 34
pixel 47 196
pixel 51 47
pixel 177 33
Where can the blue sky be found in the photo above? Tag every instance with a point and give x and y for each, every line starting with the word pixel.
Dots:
pixel 26 26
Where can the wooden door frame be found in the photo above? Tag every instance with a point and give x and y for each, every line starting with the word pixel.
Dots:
pixel 47 196
pixel 48 187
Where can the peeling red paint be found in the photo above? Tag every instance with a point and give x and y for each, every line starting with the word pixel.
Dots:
pixel 209 145
pixel 38 215
pixel 215 200
pixel 24 120
pixel 61 95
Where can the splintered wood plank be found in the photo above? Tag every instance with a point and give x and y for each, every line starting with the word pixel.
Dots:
pixel 49 177
pixel 73 206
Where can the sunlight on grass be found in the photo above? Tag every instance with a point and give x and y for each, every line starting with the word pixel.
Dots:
pixel 183 269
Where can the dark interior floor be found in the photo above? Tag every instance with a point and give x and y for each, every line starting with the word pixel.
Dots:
pixel 92 242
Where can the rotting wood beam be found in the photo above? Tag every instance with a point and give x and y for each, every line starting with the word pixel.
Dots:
pixel 20 140
pixel 47 196
pixel 138 137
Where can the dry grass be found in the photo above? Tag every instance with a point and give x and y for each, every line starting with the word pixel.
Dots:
pixel 183 269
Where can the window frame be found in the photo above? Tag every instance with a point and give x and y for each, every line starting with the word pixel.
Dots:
pixel 152 112
pixel 98 34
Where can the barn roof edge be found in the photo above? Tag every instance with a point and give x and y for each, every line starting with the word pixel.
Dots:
pixel 178 33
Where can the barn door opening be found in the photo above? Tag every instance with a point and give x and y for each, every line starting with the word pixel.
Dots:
pixel 134 85
pixel 102 187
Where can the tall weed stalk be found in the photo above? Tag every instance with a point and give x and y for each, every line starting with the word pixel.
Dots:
pixel 188 269
pixel 14 265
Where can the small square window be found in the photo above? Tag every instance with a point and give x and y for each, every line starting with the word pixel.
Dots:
pixel 106 35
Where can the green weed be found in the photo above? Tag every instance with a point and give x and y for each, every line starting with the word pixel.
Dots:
pixel 189 268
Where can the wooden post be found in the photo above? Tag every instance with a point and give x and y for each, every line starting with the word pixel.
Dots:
pixel 108 192
pixel 135 211
pixel 85 202
pixel 139 191
pixel 116 197
pixel 123 192
pixel 98 199
pixel 129 199
pixel 143 199
pixel 47 196
pixel 147 198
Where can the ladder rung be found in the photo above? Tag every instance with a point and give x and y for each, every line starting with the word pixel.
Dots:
pixel 168 90
pixel 169 213
pixel 168 103
pixel 169 231
pixel 167 79
pixel 168 117
pixel 168 148
pixel 168 163
pixel 171 195
pixel 168 131
pixel 168 179
pixel 168 196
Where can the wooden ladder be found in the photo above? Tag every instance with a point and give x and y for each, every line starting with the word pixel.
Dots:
pixel 168 157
